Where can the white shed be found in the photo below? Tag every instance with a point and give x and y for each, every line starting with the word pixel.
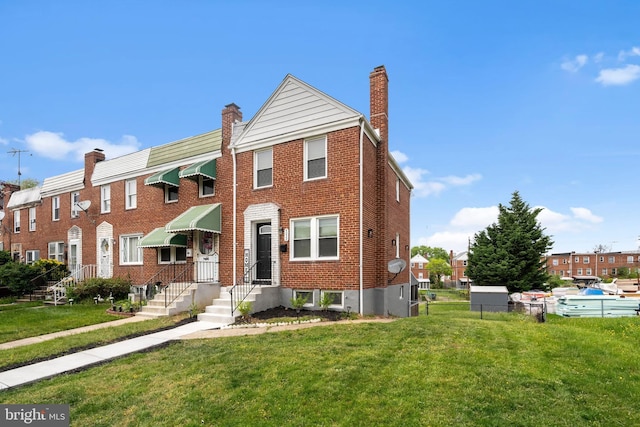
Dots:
pixel 489 298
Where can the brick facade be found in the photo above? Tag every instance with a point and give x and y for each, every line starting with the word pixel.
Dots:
pixel 364 188
pixel 603 265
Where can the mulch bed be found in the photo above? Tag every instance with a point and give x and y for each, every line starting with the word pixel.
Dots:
pixel 290 313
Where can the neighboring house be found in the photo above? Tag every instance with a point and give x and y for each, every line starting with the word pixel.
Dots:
pixel 6 189
pixel 303 198
pixel 420 271
pixel 602 264
pixel 459 269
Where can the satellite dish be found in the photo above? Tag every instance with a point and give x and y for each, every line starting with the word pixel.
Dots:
pixel 397 265
pixel 84 204
pixel 1 215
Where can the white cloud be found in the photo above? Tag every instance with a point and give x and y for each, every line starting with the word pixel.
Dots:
pixel 3 141
pixel 469 221
pixel 399 156
pixel 586 215
pixel 623 54
pixel 579 220
pixel 54 146
pixel 461 180
pixel 424 188
pixel 619 76
pixel 598 57
pixel 475 218
pixel 573 65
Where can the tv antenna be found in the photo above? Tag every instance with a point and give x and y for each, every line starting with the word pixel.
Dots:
pixel 14 151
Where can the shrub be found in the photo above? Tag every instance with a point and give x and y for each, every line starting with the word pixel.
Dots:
pixel 245 308
pixel 298 302
pixel 117 287
pixel 50 270
pixel 18 277
pixel 5 257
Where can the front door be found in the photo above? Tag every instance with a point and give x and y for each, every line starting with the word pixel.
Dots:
pixel 105 257
pixel 263 251
pixel 74 262
pixel 207 258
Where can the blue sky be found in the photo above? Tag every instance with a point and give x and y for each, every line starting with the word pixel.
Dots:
pixel 486 97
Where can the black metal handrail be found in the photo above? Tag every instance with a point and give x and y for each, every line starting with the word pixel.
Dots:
pixel 180 283
pixel 241 290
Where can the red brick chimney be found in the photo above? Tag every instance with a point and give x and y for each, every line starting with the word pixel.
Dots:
pixel 379 118
pixel 230 115
pixel 379 101
pixel 90 160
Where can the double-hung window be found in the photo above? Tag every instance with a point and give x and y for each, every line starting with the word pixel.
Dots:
pixel 263 168
pixel 32 219
pixel 32 256
pixel 130 194
pixel 16 221
pixel 170 193
pixel 206 186
pixel 315 238
pixel 315 158
pixel 130 250
pixel 105 198
pixel 75 210
pixel 55 208
pixel 56 251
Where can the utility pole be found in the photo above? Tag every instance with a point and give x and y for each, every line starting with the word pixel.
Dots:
pixel 18 152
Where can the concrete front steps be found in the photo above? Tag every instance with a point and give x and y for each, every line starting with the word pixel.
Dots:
pixel 220 310
pixel 181 304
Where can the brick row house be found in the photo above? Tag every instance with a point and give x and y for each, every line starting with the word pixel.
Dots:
pixel 601 264
pixel 304 199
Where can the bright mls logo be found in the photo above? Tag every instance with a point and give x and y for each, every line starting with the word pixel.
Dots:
pixel 34 415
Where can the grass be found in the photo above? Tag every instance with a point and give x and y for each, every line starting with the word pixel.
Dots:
pixel 448 368
pixel 63 345
pixel 26 320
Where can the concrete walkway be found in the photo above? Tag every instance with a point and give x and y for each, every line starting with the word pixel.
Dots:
pixel 195 330
pixel 49 368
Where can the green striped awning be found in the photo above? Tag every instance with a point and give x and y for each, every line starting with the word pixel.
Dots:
pixel 203 218
pixel 169 177
pixel 160 238
pixel 206 168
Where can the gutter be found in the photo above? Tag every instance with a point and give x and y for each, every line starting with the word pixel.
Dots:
pixel 235 237
pixel 361 227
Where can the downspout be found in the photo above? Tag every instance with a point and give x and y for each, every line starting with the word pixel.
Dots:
pixel 361 219
pixel 235 243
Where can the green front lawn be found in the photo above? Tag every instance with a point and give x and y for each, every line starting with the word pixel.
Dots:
pixel 448 368
pixel 26 320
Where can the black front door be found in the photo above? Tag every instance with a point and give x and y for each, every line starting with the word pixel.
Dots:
pixel 263 251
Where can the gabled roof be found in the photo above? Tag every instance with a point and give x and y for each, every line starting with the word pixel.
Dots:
pixel 419 258
pixel 24 198
pixel 205 143
pixel 71 181
pixel 295 110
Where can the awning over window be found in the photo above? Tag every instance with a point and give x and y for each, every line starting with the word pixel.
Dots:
pixel 169 177
pixel 203 218
pixel 206 168
pixel 160 238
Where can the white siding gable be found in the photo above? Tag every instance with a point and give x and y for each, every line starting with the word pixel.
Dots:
pixel 295 110
pixel 72 181
pixel 123 167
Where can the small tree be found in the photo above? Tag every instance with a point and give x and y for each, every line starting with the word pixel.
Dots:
pixel 18 277
pixel 438 268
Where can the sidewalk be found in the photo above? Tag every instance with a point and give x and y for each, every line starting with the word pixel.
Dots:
pixel 49 368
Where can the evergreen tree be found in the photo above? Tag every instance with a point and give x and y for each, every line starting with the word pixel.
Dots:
pixel 511 251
